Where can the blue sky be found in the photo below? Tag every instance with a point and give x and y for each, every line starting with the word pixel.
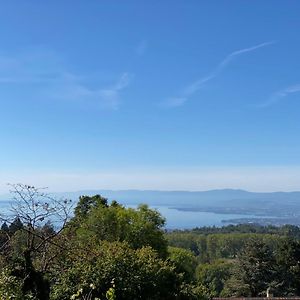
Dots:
pixel 150 94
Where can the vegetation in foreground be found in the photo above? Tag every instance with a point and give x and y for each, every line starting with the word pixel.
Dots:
pixel 107 251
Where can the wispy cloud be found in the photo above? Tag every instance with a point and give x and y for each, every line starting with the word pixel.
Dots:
pixel 279 95
pixel 49 79
pixel 195 86
pixel 73 90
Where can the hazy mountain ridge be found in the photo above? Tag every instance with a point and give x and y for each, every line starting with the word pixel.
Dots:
pixel 275 204
pixel 158 197
pixel 231 201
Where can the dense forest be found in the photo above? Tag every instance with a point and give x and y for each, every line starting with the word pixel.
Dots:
pixel 98 249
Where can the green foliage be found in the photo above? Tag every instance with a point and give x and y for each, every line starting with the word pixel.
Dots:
pixel 187 240
pixel 214 276
pixel 108 251
pixel 15 225
pixel 138 227
pixel 256 268
pixel 10 286
pixel 236 287
pixel 111 294
pixel 137 274
pixel 287 257
pixel 184 261
pixel 216 246
pixel 285 230
pixel 4 227
pixel 86 204
pixel 244 260
pixel 193 292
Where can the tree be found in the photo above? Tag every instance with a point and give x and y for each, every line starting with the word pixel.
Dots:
pixel 214 276
pixel 133 273
pixel 30 211
pixel 108 242
pixel 184 261
pixel 96 219
pixel 4 227
pixel 255 272
pixel 86 204
pixel 287 257
pixel 15 225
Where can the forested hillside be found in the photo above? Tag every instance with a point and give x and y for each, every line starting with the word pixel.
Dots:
pixel 103 250
pixel 244 260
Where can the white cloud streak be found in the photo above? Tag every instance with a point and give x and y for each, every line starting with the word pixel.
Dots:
pixel 49 79
pixel 280 95
pixel 105 98
pixel 199 83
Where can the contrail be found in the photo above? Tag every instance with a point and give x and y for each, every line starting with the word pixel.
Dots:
pixel 198 84
pixel 280 95
pixel 214 73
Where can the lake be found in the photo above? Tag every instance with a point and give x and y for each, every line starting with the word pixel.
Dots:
pixel 178 219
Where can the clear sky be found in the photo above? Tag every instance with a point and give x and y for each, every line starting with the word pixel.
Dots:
pixel 150 94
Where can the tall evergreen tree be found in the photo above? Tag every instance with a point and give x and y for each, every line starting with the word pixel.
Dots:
pixel 15 225
pixel 256 270
pixel 4 227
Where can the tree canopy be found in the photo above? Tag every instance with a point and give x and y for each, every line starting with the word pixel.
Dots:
pixel 104 250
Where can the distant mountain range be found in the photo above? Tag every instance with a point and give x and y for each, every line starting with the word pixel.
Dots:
pixel 229 198
pixel 225 200
pixel 285 205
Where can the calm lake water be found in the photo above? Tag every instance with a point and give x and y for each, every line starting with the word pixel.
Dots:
pixel 178 219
